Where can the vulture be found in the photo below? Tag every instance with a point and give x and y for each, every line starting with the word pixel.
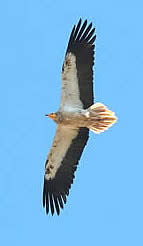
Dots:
pixel 77 115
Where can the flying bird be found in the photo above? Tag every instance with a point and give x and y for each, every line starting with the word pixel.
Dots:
pixel 76 116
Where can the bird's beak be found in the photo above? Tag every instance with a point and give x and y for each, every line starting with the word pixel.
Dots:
pixel 51 116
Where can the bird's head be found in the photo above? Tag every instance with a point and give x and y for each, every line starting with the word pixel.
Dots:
pixel 52 116
pixel 57 117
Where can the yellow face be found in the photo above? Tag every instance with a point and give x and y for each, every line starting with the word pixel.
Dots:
pixel 52 116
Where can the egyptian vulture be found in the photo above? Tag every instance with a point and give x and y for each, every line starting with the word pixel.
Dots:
pixel 76 115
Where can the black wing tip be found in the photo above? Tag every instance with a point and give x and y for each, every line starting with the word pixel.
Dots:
pixel 51 202
pixel 81 33
pixel 55 208
pixel 83 21
pixel 79 22
pixel 91 42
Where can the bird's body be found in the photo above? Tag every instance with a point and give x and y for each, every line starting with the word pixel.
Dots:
pixel 76 116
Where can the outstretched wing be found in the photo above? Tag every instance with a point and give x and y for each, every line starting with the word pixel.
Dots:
pixel 61 164
pixel 77 73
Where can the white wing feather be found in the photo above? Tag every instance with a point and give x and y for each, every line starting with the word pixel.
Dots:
pixel 61 143
pixel 70 99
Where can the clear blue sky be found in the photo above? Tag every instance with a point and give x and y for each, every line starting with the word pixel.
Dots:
pixel 105 206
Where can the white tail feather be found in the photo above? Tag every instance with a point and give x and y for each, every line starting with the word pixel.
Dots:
pixel 100 118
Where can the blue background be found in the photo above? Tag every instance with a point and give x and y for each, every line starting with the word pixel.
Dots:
pixel 105 205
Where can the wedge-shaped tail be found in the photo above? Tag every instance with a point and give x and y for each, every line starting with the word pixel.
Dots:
pixel 100 118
